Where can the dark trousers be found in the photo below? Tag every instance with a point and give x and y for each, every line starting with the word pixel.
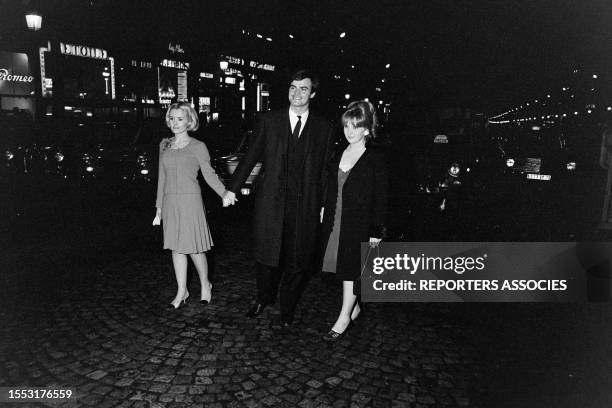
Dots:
pixel 291 276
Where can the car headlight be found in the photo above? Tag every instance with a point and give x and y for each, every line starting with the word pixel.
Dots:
pixel 89 169
pixel 510 162
pixel 144 171
pixel 571 166
pixel 59 156
pixel 454 170
pixel 9 155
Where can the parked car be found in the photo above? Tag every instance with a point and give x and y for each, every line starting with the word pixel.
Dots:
pixel 451 168
pixel 16 135
pixel 226 165
pixel 86 151
pixel 132 154
pixel 537 154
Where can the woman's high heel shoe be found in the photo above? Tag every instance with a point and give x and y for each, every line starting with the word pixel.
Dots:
pixel 206 299
pixel 171 305
pixel 333 336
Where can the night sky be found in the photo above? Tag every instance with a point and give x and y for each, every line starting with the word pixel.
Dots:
pixel 483 54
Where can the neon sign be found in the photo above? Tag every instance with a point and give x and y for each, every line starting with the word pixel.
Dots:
pixel 176 48
pixel 174 64
pixel 83 51
pixel 258 65
pixel 5 76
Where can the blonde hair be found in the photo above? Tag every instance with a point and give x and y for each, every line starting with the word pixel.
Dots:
pixel 193 122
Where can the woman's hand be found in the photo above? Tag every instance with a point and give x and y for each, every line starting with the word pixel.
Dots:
pixel 157 219
pixel 374 242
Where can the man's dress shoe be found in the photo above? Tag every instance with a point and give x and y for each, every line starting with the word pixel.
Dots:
pixel 256 310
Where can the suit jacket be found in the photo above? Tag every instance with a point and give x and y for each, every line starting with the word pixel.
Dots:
pixel 270 146
pixel 364 208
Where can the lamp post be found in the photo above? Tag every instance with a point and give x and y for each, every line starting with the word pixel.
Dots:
pixel 34 21
pixel 106 74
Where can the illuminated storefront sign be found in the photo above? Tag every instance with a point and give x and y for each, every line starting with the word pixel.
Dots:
pixel 253 64
pixel 73 71
pixel 176 48
pixel 46 83
pixel 182 86
pixel 174 64
pixel 233 71
pixel 142 64
pixel 15 78
pixel 83 51
pixel 258 65
pixel 234 60
pixel 207 75
pixel 6 76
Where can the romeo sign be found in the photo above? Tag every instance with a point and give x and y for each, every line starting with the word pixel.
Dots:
pixel 6 76
pixel 15 78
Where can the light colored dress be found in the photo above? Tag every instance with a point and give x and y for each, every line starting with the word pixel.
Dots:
pixel 180 199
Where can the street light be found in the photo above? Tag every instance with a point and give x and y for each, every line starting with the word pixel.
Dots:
pixel 223 65
pixel 105 74
pixel 342 34
pixel 34 21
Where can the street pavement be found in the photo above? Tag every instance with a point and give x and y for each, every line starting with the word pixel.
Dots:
pixel 85 284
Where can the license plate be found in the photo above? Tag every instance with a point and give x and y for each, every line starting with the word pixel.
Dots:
pixel 538 176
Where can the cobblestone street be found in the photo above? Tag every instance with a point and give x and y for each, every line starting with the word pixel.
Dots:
pixel 88 312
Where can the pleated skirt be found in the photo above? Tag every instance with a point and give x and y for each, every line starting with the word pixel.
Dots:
pixel 184 222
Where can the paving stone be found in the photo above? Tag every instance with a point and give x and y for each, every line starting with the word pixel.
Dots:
pixel 122 347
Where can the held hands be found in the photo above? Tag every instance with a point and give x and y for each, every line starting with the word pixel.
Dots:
pixel 229 198
pixel 157 219
pixel 374 242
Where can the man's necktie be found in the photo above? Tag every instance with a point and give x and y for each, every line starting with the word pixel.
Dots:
pixel 296 129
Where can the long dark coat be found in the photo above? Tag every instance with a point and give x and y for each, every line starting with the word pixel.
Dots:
pixel 270 147
pixel 364 207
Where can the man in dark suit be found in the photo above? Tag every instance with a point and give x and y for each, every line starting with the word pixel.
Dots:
pixel 294 146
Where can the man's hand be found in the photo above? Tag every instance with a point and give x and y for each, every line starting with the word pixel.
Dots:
pixel 229 198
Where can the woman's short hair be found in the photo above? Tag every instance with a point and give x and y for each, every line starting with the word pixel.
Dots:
pixel 361 114
pixel 193 122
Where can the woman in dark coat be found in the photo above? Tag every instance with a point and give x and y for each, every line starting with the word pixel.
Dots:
pixel 355 206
